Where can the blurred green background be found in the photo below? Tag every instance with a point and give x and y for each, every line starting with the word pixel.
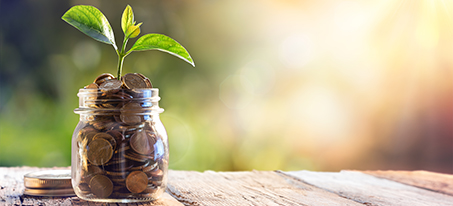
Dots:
pixel 290 85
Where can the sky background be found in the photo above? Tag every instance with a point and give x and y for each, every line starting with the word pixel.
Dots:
pixel 278 85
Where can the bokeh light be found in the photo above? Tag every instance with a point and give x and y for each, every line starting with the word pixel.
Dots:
pixel 278 85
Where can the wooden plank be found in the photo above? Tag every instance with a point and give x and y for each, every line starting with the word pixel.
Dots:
pixel 247 188
pixel 371 190
pixel 442 183
pixel 12 191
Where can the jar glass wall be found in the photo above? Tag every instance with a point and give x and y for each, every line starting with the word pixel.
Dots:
pixel 119 147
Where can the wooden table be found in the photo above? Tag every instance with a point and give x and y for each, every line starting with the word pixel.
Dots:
pixel 269 188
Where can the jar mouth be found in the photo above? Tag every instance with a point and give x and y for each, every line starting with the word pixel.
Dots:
pixel 138 93
pixel 130 101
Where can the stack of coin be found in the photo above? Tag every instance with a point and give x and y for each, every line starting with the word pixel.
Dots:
pixel 108 82
pixel 48 183
pixel 120 153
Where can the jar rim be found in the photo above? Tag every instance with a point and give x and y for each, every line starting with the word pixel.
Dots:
pixel 148 98
pixel 91 91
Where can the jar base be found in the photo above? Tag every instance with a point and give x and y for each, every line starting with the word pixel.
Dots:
pixel 106 200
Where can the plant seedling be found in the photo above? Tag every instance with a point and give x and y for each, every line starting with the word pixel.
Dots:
pixel 92 22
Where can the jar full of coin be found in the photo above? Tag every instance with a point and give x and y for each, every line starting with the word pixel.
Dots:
pixel 120 146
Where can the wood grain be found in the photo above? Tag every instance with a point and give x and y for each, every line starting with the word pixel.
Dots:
pixel 267 188
pixel 442 183
pixel 371 190
pixel 247 188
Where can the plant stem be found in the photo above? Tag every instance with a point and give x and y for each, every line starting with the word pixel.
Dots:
pixel 121 56
pixel 120 65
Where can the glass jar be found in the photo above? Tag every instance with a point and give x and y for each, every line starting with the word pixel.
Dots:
pixel 119 147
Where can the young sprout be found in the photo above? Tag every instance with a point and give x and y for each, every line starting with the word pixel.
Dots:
pixel 92 22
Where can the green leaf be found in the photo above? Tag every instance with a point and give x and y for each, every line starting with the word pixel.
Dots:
pixel 91 22
pixel 133 31
pixel 127 19
pixel 162 43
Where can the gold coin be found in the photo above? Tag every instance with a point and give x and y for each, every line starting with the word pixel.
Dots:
pixel 99 151
pixel 102 78
pixel 91 86
pixel 147 81
pixel 101 186
pixel 110 85
pixel 133 81
pixel 143 142
pixel 136 181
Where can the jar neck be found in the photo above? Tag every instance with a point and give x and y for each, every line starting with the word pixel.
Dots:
pixel 118 117
pixel 119 102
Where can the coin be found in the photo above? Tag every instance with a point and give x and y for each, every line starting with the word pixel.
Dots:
pixel 129 130
pixel 115 162
pixel 102 78
pixel 101 186
pixel 110 85
pixel 92 86
pixel 117 135
pixel 128 113
pixel 156 177
pixel 147 81
pixel 143 142
pixel 99 151
pixel 120 166
pixel 87 137
pixel 113 98
pixel 89 172
pixel 120 173
pixel 150 167
pixel 151 189
pixel 156 173
pixel 133 81
pixel 84 188
pixel 136 181
pixel 99 125
pixel 136 157
pixel 122 148
pixel 48 180
pixel 107 137
pixel 83 135
pixel 119 95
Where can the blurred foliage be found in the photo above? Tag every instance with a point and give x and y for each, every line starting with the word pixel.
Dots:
pixel 288 85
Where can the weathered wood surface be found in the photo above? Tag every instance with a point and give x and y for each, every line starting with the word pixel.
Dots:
pixel 442 183
pixel 266 188
pixel 247 188
pixel 371 190
pixel 12 191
